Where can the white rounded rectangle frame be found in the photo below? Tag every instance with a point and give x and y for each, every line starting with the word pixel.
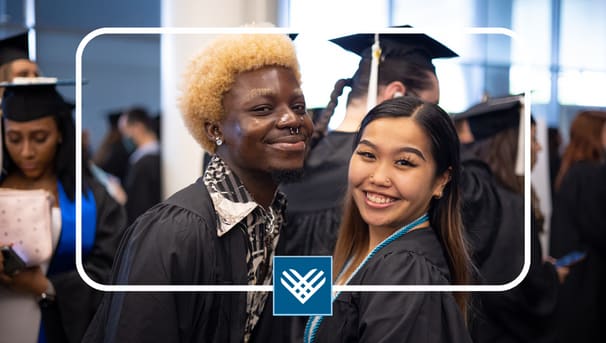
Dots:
pixel 268 288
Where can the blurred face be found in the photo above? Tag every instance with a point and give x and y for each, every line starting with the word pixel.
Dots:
pixel 535 146
pixel 266 128
pixel 432 94
pixel 32 145
pixel 24 68
pixel 392 173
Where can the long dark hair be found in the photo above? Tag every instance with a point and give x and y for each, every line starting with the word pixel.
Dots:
pixel 65 162
pixel 444 213
pixel 415 77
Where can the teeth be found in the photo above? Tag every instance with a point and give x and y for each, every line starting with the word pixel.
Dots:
pixel 379 199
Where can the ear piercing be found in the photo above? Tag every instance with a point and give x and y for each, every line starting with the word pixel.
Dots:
pixel 218 141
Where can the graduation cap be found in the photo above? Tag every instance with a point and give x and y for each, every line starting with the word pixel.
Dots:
pixel 27 99
pixel 495 115
pixel 417 48
pixel 14 48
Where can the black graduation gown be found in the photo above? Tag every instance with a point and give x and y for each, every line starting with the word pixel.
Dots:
pixel 175 243
pixel 315 202
pixel 481 208
pixel 67 319
pixel 416 258
pixel 579 223
pixel 143 186
pixel 524 313
pixel 494 223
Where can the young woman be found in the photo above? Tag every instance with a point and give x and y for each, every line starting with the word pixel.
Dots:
pixel 39 149
pixel 401 225
pixel 577 225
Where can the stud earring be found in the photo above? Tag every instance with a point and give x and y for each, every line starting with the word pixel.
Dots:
pixel 218 141
pixel 397 94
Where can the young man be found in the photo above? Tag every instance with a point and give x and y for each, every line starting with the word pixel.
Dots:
pixel 242 102
pixel 143 182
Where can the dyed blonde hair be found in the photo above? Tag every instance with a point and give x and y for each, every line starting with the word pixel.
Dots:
pixel 213 71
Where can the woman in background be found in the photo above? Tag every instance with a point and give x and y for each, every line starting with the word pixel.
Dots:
pixel 39 149
pixel 575 226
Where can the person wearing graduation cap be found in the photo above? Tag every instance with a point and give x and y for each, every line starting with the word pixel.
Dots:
pixel 524 313
pixel 242 102
pixel 404 68
pixel 14 58
pixel 39 149
pixel 401 226
pixel 577 224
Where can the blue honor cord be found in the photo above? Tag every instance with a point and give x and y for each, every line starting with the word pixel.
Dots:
pixel 313 324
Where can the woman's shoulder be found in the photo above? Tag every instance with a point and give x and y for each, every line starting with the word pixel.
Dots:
pixel 415 258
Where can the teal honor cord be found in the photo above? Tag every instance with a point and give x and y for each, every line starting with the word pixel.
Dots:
pixel 313 324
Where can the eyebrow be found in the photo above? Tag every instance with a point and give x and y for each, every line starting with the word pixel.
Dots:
pixel 402 149
pixel 268 92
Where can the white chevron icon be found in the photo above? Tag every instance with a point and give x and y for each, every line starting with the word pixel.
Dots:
pixel 302 289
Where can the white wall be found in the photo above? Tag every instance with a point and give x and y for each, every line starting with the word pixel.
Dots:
pixel 182 156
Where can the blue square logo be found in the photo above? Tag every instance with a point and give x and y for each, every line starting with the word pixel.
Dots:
pixel 302 285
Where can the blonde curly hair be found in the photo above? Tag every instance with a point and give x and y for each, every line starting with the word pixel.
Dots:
pixel 213 71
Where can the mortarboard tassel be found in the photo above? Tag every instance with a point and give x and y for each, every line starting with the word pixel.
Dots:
pixel 373 80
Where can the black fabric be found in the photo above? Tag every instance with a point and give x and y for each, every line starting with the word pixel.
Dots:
pixel 143 186
pixel 416 258
pixel 23 103
pixel 524 313
pixel 415 47
pixel 14 48
pixel 116 162
pixel 492 116
pixel 481 208
pixel 176 242
pixel 315 202
pixel 76 302
pixel 579 223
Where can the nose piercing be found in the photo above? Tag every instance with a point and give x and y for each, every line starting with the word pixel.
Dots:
pixel 294 130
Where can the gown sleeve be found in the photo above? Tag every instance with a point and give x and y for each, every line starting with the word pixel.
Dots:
pixel 167 245
pixel 409 316
pixel 76 302
pixel 482 211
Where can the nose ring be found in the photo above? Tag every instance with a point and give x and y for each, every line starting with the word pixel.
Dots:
pixel 294 130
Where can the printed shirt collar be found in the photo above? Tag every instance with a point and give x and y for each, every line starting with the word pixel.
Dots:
pixel 231 200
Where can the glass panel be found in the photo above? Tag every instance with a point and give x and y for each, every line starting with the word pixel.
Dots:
pixel 531 53
pixel 583 53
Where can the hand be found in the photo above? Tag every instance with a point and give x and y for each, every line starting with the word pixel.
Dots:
pixel 562 273
pixel 30 280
